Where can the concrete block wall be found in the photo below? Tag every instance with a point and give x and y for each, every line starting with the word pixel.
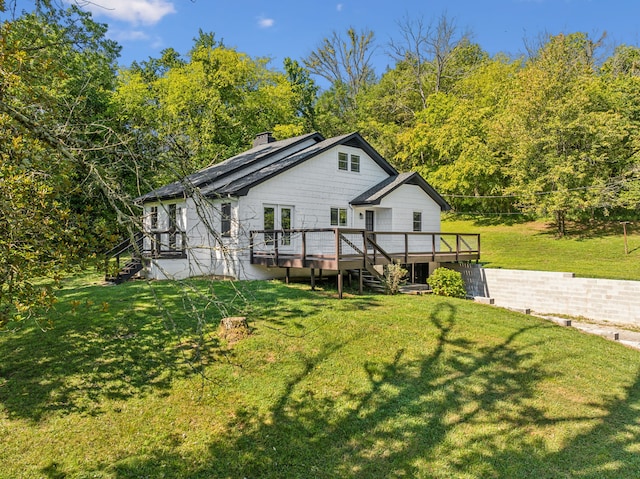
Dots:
pixel 555 293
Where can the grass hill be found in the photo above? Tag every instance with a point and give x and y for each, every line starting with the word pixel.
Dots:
pixel 366 387
pixel 594 250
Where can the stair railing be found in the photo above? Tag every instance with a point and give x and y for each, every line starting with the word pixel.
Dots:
pixel 124 247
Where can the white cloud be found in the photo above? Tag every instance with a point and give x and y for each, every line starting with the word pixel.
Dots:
pixel 129 35
pixel 136 12
pixel 339 7
pixel 266 22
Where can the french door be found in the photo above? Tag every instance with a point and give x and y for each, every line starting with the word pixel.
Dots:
pixel 278 217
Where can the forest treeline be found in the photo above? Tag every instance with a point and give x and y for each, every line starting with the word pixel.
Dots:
pixel 553 133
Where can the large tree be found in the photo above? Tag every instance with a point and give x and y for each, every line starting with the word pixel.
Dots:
pixel 565 133
pixel 452 141
pixel 189 113
pixel 345 63
pixel 57 146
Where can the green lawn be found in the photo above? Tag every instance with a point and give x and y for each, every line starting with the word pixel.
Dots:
pixel 367 387
pixel 595 251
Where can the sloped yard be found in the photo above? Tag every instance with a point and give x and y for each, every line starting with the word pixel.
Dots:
pixel 366 387
pixel 589 250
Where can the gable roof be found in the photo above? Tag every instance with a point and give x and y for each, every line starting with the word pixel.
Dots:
pixel 237 175
pixel 374 195
pixel 240 164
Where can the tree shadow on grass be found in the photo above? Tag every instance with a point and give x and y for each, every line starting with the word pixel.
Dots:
pixel 400 425
pixel 280 304
pixel 119 342
pixel 496 220
pixel 106 342
pixel 608 449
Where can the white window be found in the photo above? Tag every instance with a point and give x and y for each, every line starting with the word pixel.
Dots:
pixel 153 218
pixel 338 217
pixel 417 221
pixel 343 161
pixel 277 218
pixel 225 220
pixel 348 162
pixel 355 163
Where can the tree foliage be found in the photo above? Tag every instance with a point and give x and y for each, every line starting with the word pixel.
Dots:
pixel 555 134
pixel 189 113
pixel 57 72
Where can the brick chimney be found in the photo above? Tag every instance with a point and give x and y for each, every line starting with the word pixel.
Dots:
pixel 263 139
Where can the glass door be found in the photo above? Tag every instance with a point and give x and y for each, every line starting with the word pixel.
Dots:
pixel 278 218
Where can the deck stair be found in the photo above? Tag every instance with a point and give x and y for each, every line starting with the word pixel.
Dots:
pixel 128 271
pixel 369 279
pixel 133 266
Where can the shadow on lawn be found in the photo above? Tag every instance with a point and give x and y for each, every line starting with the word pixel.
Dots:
pixel 107 342
pixel 119 342
pixel 280 305
pixel 401 427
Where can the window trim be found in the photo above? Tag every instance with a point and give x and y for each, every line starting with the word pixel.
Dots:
pixel 355 161
pixel 338 216
pixel 343 161
pixel 417 221
pixel 286 237
pixel 153 218
pixel 349 162
pixel 225 219
pixel 173 219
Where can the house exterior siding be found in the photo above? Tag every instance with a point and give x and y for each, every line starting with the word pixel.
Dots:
pixel 305 190
pixel 312 189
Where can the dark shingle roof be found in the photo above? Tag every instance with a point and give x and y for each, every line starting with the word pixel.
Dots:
pixel 237 175
pixel 374 195
pixel 222 173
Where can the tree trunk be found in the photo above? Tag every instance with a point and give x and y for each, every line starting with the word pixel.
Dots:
pixel 233 329
pixel 560 223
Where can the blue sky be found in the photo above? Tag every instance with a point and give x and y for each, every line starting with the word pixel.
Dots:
pixel 293 28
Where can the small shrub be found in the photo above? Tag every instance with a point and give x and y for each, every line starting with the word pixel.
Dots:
pixel 447 282
pixel 394 277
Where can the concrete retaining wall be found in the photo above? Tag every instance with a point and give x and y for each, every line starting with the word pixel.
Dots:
pixel 555 293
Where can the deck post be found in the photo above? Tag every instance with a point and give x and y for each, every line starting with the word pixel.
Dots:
pixel 313 279
pixel 336 232
pixel 304 249
pixel 406 248
pixel 320 275
pixel 364 248
pixel 360 281
pixel 287 275
pixel 375 250
pixel 433 247
pixel 340 281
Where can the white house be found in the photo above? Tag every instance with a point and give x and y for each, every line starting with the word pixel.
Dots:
pixel 291 207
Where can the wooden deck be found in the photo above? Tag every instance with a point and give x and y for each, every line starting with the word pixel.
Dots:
pixel 346 249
